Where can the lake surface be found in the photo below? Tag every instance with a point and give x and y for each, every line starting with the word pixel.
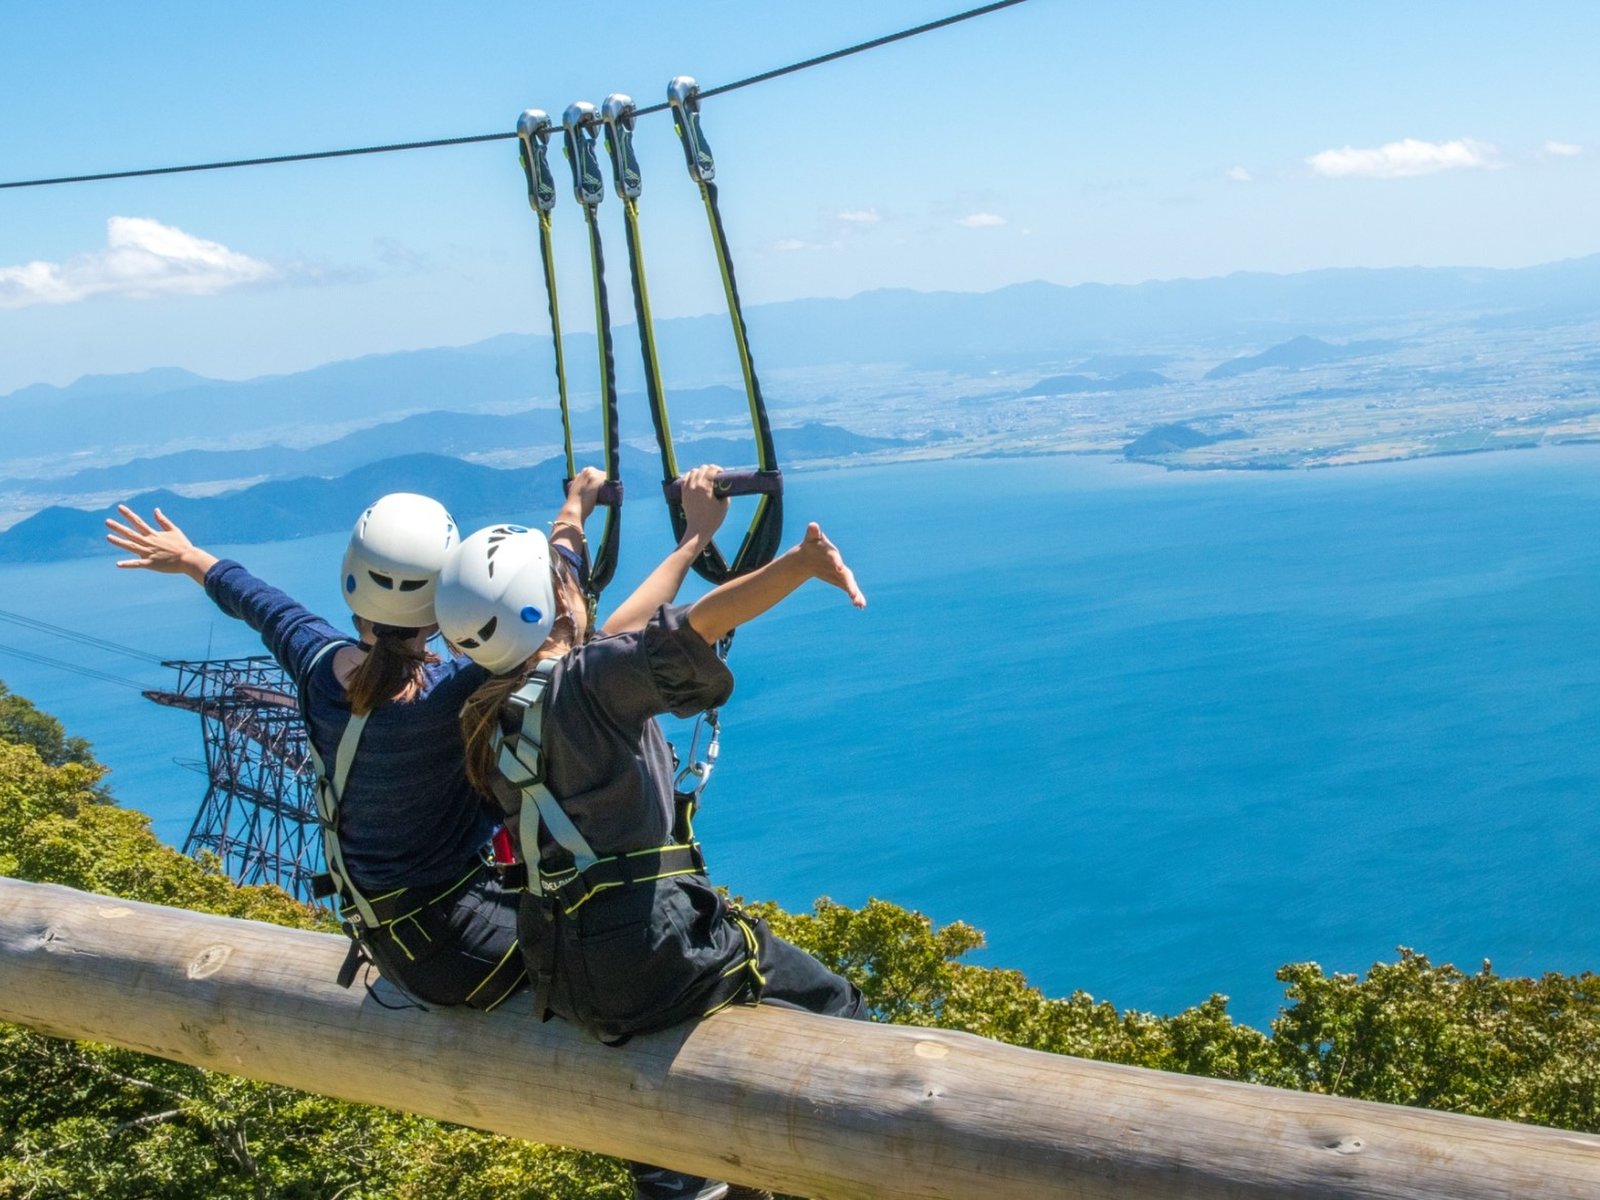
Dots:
pixel 1156 734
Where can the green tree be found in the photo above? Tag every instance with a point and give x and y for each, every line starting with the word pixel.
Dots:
pixel 1432 1036
pixel 22 723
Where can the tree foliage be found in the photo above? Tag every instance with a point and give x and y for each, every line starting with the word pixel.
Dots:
pixel 24 725
pixel 79 1120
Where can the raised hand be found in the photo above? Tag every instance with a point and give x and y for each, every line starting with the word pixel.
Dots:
pixel 166 549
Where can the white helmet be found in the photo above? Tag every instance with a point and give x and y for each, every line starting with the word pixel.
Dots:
pixel 393 560
pixel 496 600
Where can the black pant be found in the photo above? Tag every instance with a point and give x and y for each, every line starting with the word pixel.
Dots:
pixel 458 947
pixel 645 957
pixel 793 979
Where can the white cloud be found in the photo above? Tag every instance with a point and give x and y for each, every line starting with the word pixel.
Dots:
pixel 1397 160
pixel 789 244
pixel 860 216
pixel 1562 150
pixel 982 220
pixel 1239 175
pixel 142 259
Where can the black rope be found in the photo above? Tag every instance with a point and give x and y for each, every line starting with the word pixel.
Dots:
pixel 495 137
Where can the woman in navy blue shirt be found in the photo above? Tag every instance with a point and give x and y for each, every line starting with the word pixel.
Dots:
pixel 410 831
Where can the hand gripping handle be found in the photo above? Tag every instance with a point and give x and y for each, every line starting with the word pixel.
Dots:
pixel 609 495
pixel 732 483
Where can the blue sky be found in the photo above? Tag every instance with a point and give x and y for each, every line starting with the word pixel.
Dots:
pixel 1065 141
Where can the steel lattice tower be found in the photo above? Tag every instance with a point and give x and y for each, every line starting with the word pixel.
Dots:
pixel 259 815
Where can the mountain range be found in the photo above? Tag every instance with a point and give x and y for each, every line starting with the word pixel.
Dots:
pixel 1026 323
pixel 281 509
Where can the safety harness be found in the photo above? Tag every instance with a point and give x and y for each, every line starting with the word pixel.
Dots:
pixel 364 917
pixel 568 875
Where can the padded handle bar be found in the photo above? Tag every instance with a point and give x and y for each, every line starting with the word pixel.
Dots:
pixel 609 495
pixel 732 483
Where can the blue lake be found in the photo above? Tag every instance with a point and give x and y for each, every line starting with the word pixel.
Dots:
pixel 1156 734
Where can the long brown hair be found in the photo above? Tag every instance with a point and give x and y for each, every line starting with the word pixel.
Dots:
pixel 392 670
pixel 480 715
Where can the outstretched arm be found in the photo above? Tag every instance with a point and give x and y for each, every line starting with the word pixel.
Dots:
pixel 703 512
pixel 167 550
pixel 747 597
pixel 293 633
pixel 567 528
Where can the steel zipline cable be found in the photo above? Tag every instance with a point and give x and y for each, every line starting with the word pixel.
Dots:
pixel 721 89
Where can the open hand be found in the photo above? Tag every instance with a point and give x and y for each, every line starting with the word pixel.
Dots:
pixel 166 549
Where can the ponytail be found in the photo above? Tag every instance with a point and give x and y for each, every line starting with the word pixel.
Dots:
pixel 480 715
pixel 392 670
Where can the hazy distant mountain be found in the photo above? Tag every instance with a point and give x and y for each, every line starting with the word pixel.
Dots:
pixel 447 433
pixel 302 406
pixel 1025 321
pixel 291 508
pixel 813 440
pixel 295 508
pixel 1297 352
pixel 1070 385
pixel 157 381
pixel 1170 439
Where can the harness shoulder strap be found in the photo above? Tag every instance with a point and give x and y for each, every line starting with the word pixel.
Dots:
pixel 330 790
pixel 521 761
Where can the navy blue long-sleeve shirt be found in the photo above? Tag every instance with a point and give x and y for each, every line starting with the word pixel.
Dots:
pixel 408 817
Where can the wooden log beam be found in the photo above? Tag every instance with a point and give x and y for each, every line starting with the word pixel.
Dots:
pixel 802 1104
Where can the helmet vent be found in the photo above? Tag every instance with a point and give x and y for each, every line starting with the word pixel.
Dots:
pixel 382 581
pixel 411 585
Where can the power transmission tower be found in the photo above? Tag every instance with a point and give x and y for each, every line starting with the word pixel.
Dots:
pixel 259 814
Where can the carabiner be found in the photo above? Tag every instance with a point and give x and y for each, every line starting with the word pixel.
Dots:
pixel 579 136
pixel 617 114
pixel 533 131
pixel 683 94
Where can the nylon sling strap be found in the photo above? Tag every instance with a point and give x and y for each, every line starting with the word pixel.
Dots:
pixel 579 135
pixel 765 532
pixel 533 140
pixel 329 790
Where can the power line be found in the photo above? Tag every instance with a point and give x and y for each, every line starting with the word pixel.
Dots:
pixel 706 93
pixel 73 635
pixel 88 672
